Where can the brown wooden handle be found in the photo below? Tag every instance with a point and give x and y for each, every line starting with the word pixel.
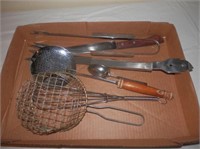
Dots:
pixel 143 89
pixel 153 40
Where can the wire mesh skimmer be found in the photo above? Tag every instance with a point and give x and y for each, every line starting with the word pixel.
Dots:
pixel 53 102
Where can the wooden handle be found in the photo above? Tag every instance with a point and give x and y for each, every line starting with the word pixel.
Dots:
pixel 143 89
pixel 140 42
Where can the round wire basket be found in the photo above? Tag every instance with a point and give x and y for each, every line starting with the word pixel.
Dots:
pixel 51 102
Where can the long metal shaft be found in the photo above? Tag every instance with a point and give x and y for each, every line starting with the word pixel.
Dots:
pixel 97 35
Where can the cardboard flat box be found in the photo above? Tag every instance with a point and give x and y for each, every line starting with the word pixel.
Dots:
pixel 171 125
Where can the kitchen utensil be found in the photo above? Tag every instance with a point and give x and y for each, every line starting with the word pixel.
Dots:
pixel 110 45
pixel 134 86
pixel 170 66
pixel 96 98
pixel 95 35
pixel 116 54
pixel 54 58
pixel 99 70
pixel 45 107
pixel 128 54
pixel 104 72
pixel 40 63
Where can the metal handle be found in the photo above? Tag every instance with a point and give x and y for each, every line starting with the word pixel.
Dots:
pixel 116 120
pixel 172 65
pixel 142 66
pixel 111 53
pixel 94 35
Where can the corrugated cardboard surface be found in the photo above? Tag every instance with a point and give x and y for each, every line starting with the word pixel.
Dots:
pixel 173 124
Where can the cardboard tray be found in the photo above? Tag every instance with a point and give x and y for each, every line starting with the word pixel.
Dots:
pixel 171 125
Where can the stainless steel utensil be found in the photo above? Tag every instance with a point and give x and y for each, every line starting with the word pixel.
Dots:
pixel 99 70
pixel 54 58
pixel 96 48
pixel 170 66
pixel 104 72
pixel 41 63
pixel 95 35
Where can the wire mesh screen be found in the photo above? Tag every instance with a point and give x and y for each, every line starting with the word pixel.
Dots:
pixel 51 102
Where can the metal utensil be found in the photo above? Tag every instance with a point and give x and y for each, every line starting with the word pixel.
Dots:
pixel 96 98
pixel 170 66
pixel 114 36
pixel 54 58
pixel 134 86
pixel 95 48
pixel 117 54
pixel 104 72
pixel 95 35
pixel 46 108
pixel 124 83
pixel 99 70
pixel 41 63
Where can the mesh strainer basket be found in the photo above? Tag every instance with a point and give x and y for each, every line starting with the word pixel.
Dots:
pixel 51 102
pixel 54 102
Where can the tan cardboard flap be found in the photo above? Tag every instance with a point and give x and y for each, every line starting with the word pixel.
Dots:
pixel 163 123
